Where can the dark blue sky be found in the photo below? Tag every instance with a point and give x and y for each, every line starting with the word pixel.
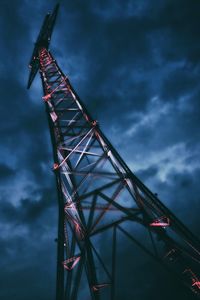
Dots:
pixel 136 66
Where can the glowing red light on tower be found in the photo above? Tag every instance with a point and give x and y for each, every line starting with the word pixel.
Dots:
pixel 161 222
pixel 197 284
pixel 71 262
pixel 55 166
pixel 97 287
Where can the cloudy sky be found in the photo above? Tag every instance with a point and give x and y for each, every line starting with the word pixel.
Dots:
pixel 135 64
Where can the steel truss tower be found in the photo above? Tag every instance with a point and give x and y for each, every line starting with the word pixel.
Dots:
pixel 101 202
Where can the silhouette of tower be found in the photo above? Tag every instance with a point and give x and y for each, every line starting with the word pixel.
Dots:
pixel 101 202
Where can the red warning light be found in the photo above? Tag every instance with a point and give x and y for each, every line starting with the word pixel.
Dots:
pixel 71 262
pixel 46 97
pixel 55 166
pixel 197 284
pixel 160 222
pixel 97 287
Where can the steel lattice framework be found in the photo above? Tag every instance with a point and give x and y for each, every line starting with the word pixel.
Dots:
pixel 100 198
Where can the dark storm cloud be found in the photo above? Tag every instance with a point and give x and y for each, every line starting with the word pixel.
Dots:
pixel 184 30
pixel 136 66
pixel 29 210
pixel 135 52
pixel 26 266
pixel 14 33
pixel 148 173
pixel 180 192
pixel 5 171
pixel 180 82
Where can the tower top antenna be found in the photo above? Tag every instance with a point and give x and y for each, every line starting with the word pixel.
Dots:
pixel 42 41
